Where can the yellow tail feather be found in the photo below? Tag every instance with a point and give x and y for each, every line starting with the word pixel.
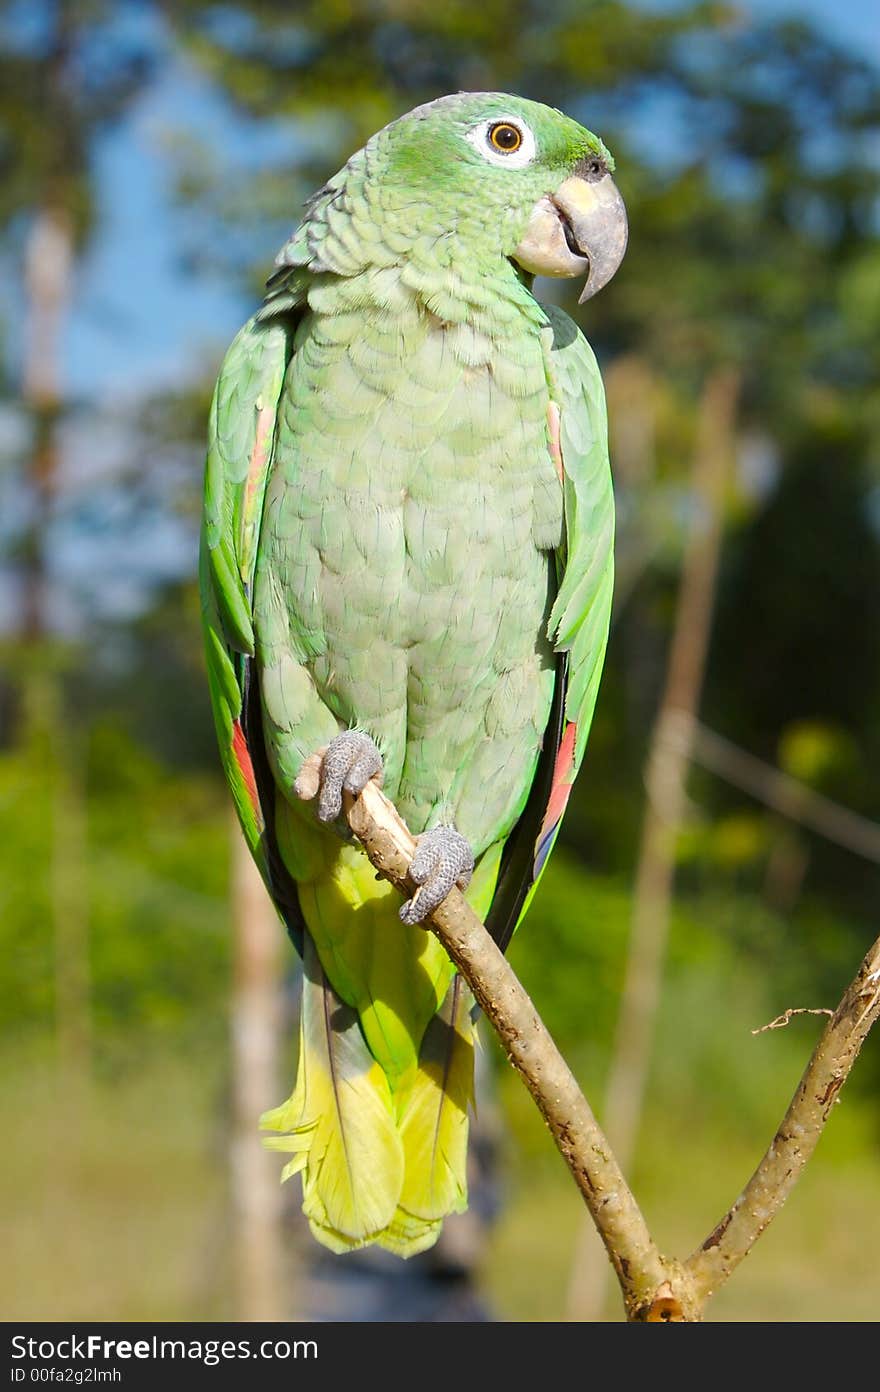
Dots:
pixel 340 1122
pixel 434 1120
pixel 378 1122
pixel 371 1175
pixel 394 975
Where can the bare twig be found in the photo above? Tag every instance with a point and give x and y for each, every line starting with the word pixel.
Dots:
pixel 788 1015
pixel 796 1138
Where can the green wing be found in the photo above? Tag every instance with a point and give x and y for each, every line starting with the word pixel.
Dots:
pixel 582 611
pixel 579 619
pixel 240 444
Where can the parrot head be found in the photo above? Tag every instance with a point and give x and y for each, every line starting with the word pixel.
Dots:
pixel 509 176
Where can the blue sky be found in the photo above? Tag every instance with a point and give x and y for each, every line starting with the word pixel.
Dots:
pixel 856 22
pixel 133 288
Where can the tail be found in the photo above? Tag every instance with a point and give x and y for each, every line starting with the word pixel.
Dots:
pixel 379 1134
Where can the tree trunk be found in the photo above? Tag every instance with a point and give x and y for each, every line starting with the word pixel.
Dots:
pixel 257 1009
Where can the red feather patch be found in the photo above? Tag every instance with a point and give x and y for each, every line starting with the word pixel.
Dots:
pixel 246 768
pixel 560 791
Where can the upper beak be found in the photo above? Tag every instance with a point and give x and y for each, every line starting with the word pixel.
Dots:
pixel 581 227
pixel 596 215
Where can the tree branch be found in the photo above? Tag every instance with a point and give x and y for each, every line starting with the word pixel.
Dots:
pixel 798 1135
pixel 648 1280
pixel 655 1287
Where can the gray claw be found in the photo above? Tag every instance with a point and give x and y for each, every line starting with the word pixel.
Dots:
pixel 443 859
pixel 350 761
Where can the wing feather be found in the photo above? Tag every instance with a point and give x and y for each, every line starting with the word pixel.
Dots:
pixel 581 612
pixel 240 448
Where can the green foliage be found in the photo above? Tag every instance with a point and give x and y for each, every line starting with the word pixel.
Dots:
pixel 26 788
pixel 156 897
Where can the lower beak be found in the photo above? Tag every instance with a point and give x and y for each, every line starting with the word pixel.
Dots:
pixel 581 227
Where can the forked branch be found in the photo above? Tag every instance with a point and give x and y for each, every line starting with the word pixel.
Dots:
pixel 654 1287
pixel 796 1139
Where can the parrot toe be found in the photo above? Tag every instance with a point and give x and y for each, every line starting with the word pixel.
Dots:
pixel 443 859
pixel 349 762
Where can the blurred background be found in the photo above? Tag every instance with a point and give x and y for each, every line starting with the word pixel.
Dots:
pixel 153 157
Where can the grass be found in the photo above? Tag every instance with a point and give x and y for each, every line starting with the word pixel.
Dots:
pixel 113 1207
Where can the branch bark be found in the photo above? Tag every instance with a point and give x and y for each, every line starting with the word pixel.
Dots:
pixel 641 1269
pixel 655 1287
pixel 798 1135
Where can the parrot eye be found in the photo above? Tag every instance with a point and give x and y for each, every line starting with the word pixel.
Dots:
pixel 507 141
pixel 505 137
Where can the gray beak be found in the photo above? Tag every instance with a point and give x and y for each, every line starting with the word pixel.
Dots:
pixel 596 218
pixel 580 228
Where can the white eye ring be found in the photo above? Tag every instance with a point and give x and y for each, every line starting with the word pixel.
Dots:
pixel 516 159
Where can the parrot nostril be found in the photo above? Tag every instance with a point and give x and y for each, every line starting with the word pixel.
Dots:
pixel 591 169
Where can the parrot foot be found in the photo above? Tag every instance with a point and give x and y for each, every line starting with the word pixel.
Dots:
pixel 442 860
pixel 349 762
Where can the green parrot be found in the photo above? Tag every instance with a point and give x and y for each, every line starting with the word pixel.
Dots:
pixel 406 573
